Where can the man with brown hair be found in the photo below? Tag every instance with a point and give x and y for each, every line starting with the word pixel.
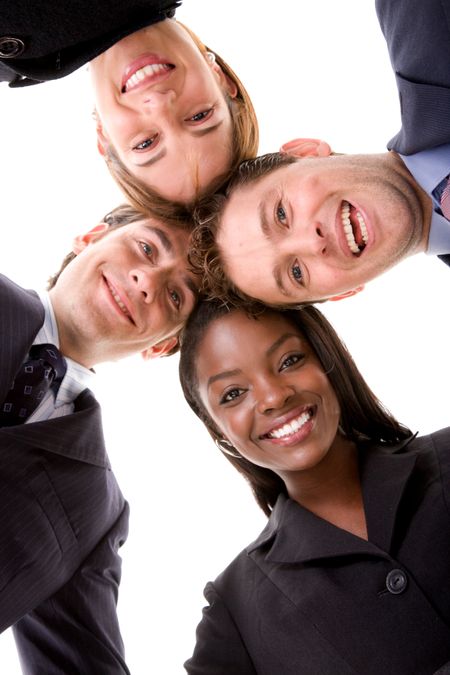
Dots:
pixel 127 289
pixel 319 226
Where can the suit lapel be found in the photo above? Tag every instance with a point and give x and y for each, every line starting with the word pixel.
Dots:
pixel 77 436
pixel 384 476
pixel 22 315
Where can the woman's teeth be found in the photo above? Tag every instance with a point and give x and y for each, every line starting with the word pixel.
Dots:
pixel 146 71
pixel 348 229
pixel 291 427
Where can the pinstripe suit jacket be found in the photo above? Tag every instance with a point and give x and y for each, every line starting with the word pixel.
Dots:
pixel 62 520
pixel 418 37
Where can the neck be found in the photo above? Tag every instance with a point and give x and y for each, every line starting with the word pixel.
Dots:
pixel 70 343
pixel 332 490
pixel 421 198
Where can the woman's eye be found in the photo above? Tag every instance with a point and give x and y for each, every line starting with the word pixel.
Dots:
pixel 200 116
pixel 281 214
pixel 231 395
pixel 176 299
pixel 296 272
pixel 291 360
pixel 148 251
pixel 145 144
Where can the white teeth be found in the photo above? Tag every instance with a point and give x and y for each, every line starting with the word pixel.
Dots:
pixel 291 427
pixel 348 230
pixel 144 72
pixel 118 300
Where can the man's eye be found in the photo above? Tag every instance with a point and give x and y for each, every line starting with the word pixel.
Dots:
pixel 200 116
pixel 148 251
pixel 296 272
pixel 231 395
pixel 176 299
pixel 146 143
pixel 281 214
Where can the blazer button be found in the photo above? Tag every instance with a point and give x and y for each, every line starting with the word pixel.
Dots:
pixel 11 47
pixel 396 581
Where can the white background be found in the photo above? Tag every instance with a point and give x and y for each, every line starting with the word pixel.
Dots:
pixel 314 69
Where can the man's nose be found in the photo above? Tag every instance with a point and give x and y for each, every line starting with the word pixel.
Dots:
pixel 272 394
pixel 147 282
pixel 314 240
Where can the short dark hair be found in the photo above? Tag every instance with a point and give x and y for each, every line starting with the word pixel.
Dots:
pixel 122 215
pixel 363 417
pixel 205 255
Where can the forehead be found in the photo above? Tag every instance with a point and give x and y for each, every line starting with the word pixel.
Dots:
pixel 171 237
pixel 233 333
pixel 187 164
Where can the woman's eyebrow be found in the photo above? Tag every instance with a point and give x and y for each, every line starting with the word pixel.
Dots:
pixel 153 159
pixel 202 132
pixel 280 341
pixel 221 376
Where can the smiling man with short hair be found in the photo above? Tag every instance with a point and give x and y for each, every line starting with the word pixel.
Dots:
pixel 126 289
pixel 308 225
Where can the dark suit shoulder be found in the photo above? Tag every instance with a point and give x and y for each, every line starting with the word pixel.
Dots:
pixel 56 38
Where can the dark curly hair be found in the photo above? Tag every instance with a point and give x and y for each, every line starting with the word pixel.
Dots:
pixel 205 255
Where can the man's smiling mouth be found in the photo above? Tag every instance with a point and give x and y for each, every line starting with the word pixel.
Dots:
pixel 355 228
pixel 117 299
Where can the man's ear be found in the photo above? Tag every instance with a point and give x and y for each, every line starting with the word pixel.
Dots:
pixel 347 294
pixel 306 147
pixel 82 240
pixel 160 349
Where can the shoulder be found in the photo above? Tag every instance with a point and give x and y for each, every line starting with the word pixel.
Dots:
pixel 19 306
pixel 55 38
pixel 433 452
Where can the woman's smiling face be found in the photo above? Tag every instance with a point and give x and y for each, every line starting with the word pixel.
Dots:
pixel 161 104
pixel 266 390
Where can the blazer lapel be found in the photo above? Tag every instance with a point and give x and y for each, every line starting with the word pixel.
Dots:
pixel 384 476
pixel 78 436
pixel 22 315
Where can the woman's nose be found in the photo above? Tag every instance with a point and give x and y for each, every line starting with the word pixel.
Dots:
pixel 157 100
pixel 272 395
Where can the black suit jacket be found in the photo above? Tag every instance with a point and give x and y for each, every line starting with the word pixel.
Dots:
pixel 418 39
pixel 60 37
pixel 307 597
pixel 62 520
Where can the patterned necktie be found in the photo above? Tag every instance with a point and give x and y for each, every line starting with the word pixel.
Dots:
pixel 44 369
pixel 442 193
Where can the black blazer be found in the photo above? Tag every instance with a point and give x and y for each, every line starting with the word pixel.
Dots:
pixel 62 521
pixel 307 597
pixel 59 37
pixel 418 39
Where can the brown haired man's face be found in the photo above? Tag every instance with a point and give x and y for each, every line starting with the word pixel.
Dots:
pixel 321 227
pixel 125 292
